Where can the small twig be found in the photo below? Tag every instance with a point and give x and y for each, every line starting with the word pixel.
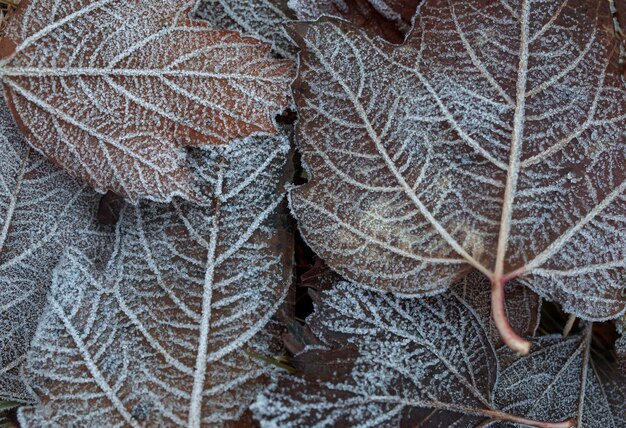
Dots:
pixel 568 327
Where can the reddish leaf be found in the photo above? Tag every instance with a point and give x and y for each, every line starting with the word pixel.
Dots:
pixel 493 139
pixel 113 90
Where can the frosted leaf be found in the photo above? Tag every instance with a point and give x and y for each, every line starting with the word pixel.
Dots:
pixel 261 18
pixel 546 384
pixel 493 139
pixel 112 91
pixel 387 361
pixel 522 302
pixel 390 19
pixel 42 210
pixel 193 288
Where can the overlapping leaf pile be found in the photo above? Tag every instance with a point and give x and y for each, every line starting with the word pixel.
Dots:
pixel 457 164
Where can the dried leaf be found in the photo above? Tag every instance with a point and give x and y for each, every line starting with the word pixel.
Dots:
pixel 390 19
pixel 493 139
pixel 42 210
pixel 112 91
pixel 260 18
pixel 387 361
pixel 190 289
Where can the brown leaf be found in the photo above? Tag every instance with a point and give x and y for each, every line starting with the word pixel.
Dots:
pixel 171 333
pixel 42 211
pixel 522 305
pixel 259 18
pixel 390 19
pixel 467 148
pixel 387 361
pixel 112 91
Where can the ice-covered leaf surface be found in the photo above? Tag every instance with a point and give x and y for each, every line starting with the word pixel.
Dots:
pixel 112 91
pixel 190 288
pixel 42 210
pixel 390 357
pixel 390 19
pixel 493 138
pixel 261 18
pixel 522 303
pixel 388 361
pixel 547 384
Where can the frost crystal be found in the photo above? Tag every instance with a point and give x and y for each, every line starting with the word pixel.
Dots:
pixel 167 335
pixel 385 361
pixel 493 138
pixel 261 18
pixel 112 90
pixel 42 210
pixel 547 384
pixel 522 303
pixel 390 19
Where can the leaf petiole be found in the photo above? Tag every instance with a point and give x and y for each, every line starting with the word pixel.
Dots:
pixel 494 414
pixel 500 317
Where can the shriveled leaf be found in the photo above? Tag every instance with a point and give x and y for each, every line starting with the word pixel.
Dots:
pixel 390 19
pixel 493 138
pixel 547 384
pixel 261 18
pixel 112 91
pixel 185 304
pixel 42 210
pixel 387 361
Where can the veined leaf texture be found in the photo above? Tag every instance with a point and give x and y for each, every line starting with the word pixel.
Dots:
pixel 112 91
pixel 457 152
pixel 261 18
pixel 166 335
pixel 42 211
pixel 390 19
pixel 492 139
pixel 387 361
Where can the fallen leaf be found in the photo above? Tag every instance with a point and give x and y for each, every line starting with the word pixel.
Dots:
pixel 42 210
pixel 388 361
pixel 492 139
pixel 390 19
pixel 547 384
pixel 170 334
pixel 260 18
pixel 112 91
pixel 520 301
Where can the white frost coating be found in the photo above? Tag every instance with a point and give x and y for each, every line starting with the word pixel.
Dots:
pixel 42 210
pixel 547 384
pixel 397 13
pixel 188 290
pixel 261 18
pixel 113 90
pixel 384 361
pixel 417 360
pixel 493 138
pixel 523 305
